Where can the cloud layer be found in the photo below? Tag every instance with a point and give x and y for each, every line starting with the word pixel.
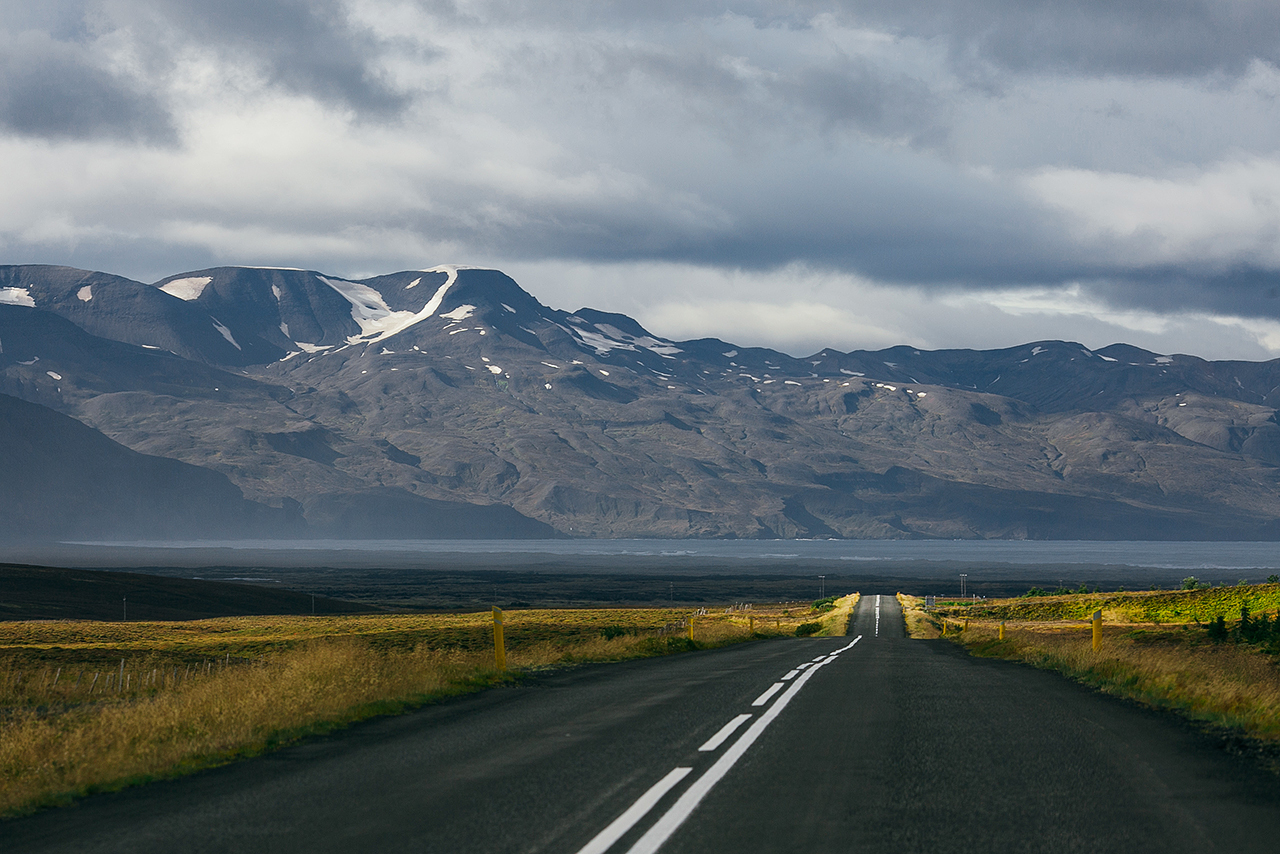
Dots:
pixel 1115 164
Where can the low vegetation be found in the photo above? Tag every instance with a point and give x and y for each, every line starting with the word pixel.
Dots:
pixel 89 706
pixel 1201 604
pixel 1212 654
pixel 829 617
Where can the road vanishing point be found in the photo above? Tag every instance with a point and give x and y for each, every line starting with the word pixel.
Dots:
pixel 870 742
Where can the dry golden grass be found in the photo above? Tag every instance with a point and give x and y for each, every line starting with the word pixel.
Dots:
pixel 835 623
pixel 919 624
pixel 236 710
pixel 1225 684
pixel 200 693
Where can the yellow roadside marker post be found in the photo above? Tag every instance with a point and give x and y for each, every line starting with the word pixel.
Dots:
pixel 499 643
pixel 690 627
pixel 751 624
pixel 1097 630
pixel 1002 630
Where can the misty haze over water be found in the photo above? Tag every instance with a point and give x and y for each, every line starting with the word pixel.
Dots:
pixel 773 553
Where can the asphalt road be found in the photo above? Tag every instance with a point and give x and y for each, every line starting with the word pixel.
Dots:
pixel 880 744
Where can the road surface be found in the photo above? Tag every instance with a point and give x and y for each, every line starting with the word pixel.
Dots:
pixel 871 742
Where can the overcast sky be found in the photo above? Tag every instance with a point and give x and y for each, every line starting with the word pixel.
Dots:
pixel 941 173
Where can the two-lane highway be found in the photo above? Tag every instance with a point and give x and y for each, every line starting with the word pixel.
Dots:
pixel 871 742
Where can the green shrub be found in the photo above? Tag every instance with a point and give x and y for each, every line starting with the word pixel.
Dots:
pixel 805 629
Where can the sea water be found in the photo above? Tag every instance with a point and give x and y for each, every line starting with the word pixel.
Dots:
pixel 1189 556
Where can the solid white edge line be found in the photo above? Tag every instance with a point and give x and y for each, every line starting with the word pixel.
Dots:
pixel 620 825
pixel 723 735
pixel 768 692
pixel 684 806
pixel 791 674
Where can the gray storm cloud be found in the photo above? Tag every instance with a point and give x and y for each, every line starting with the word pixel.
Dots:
pixel 54 89
pixel 1123 153
pixel 310 47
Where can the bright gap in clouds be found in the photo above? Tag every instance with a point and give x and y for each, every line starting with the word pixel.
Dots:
pixel 799 310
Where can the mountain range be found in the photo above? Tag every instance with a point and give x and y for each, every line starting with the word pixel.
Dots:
pixel 448 402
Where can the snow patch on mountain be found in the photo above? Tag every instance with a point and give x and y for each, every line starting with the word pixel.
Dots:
pixel 662 348
pixel 375 318
pixel 226 333
pixel 602 345
pixel 462 312
pixel 85 294
pixel 275 289
pixel 56 376
pixel 16 296
pixel 187 289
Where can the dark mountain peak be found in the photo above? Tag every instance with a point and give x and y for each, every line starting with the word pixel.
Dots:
pixel 122 310
pixel 50 281
pixel 1131 355
pixel 495 298
pixel 454 383
pixel 408 290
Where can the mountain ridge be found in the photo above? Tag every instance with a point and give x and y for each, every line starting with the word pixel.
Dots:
pixel 455 384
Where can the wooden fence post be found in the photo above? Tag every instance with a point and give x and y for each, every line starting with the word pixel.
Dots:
pixel 499 642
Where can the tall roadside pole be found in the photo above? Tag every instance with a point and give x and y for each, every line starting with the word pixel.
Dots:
pixel 1097 630
pixel 499 643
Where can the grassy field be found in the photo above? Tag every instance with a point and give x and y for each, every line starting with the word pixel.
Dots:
pixel 1188 651
pixel 1151 606
pixel 88 706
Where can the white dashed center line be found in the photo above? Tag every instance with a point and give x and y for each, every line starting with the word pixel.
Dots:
pixel 684 806
pixel 670 821
pixel 769 692
pixel 638 810
pixel 723 735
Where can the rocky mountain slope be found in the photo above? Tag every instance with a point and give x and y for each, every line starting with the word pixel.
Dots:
pixel 451 402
